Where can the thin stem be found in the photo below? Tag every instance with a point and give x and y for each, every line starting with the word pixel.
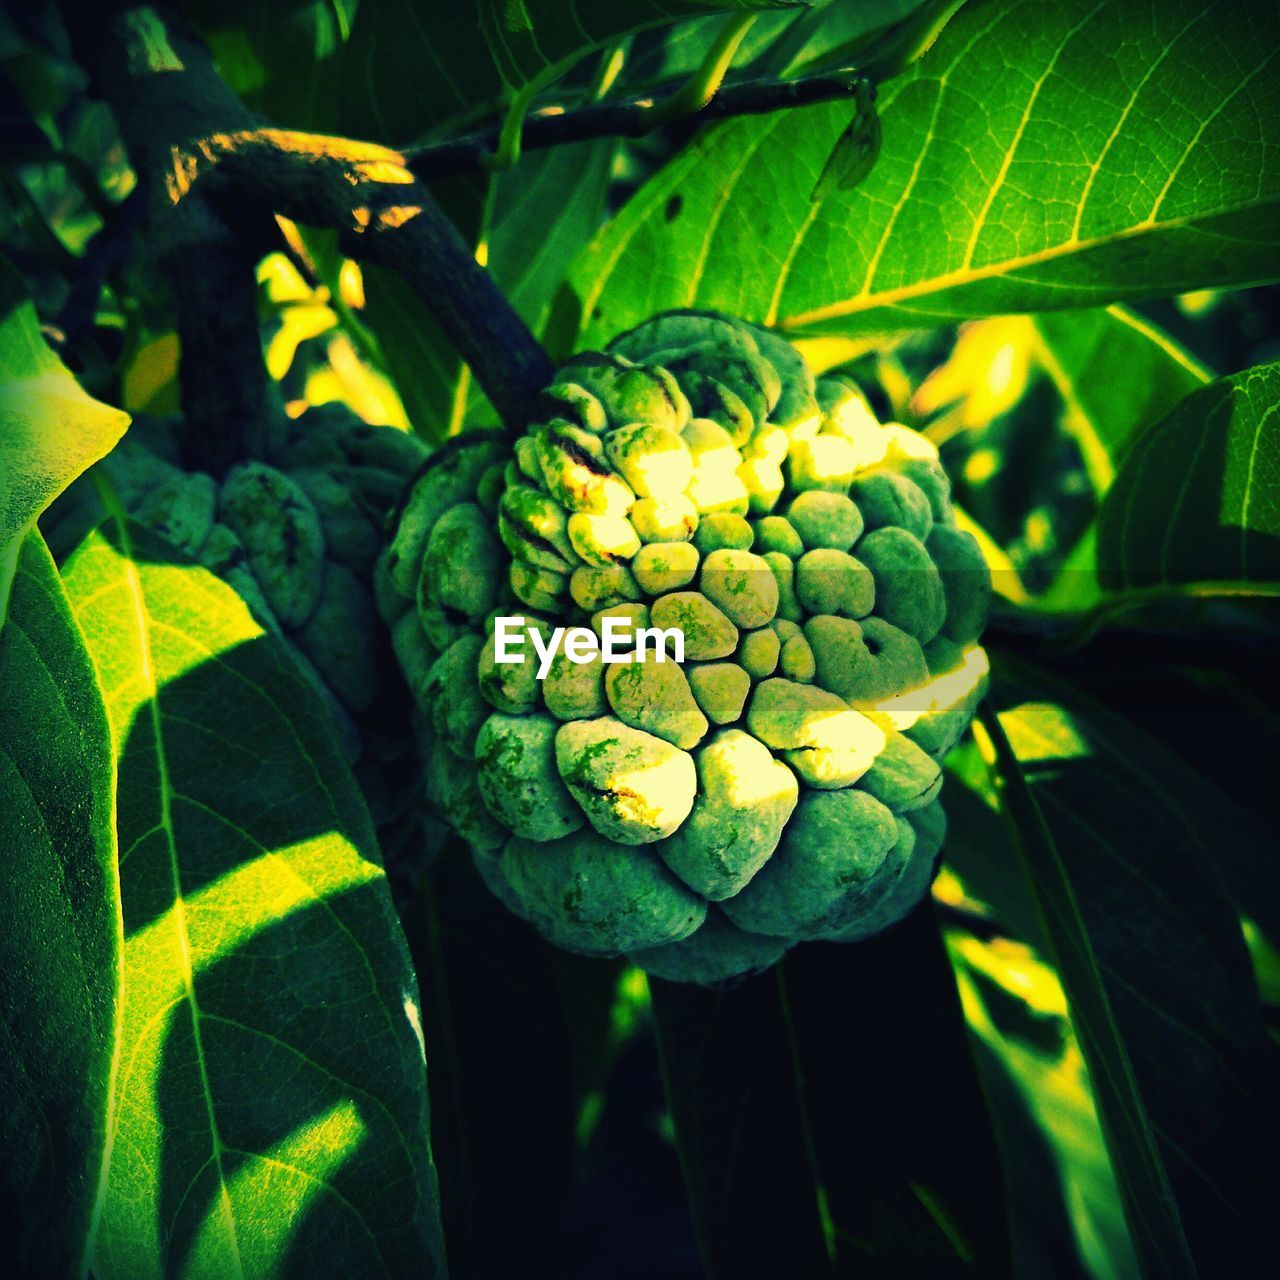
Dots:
pixel 705 83
pixel 554 126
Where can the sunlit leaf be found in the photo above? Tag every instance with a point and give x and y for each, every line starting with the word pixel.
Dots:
pixel 1039 156
pixel 271 1110
pixel 60 940
pixel 50 430
pixel 150 380
pixel 984 375
pixel 1122 853
pixel 1198 496
pixel 1043 1110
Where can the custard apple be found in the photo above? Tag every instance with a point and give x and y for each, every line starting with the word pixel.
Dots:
pixel 778 784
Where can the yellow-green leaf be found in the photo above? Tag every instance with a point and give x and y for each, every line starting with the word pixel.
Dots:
pixel 271 1116
pixel 1041 155
pixel 50 430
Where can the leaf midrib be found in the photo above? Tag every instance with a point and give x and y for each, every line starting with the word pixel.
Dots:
pixel 1006 266
pixel 137 597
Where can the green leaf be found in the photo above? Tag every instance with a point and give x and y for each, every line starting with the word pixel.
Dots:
pixel 50 430
pixel 60 928
pixel 1039 156
pixel 271 1115
pixel 543 37
pixel 494 995
pixel 741 1128
pixel 911 1174
pixel 430 377
pixel 829 1117
pixel 411 66
pixel 824 33
pixel 1196 498
pixel 1121 851
pixel 1116 374
pixel 1033 1072
pixel 284 60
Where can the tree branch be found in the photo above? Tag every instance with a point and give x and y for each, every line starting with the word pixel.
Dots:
pixel 553 126
pixel 217 176
pixel 103 256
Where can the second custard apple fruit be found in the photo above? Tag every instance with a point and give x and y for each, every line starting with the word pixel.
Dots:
pixel 781 783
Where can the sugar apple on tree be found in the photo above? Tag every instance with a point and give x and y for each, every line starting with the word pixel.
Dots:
pixel 781 783
pixel 298 537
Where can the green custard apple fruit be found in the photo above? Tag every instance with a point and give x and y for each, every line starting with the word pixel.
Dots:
pixel 780 782
pixel 298 538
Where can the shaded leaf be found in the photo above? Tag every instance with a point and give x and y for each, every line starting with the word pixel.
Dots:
pixel 271 1116
pixel 787 43
pixel 855 152
pixel 50 430
pixel 1148 948
pixel 1196 499
pixel 1039 156
pixel 494 996
pixel 410 66
pixel 829 1118
pixel 60 932
pixel 902 1132
pixel 1116 374
pixel 284 59
pixel 741 1130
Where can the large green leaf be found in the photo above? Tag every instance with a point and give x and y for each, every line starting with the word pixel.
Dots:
pixel 1121 853
pixel 1116 374
pixel 409 66
pixel 50 430
pixel 1197 498
pixel 829 1117
pixel 1041 155
pixel 271 1115
pixel 60 930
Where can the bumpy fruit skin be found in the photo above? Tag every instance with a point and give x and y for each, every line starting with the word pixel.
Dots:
pixel 298 537
pixel 782 783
